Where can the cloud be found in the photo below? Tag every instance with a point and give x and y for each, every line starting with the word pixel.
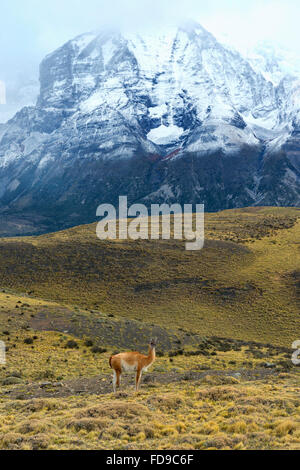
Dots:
pixel 49 23
pixel 31 29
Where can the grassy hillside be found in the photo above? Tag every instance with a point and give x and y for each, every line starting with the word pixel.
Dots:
pixel 244 284
pixel 214 413
pixel 225 318
pixel 202 393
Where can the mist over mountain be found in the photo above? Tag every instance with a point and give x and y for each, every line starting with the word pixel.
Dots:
pixel 20 92
pixel 174 116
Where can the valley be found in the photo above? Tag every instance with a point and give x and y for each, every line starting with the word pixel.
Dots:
pixel 225 318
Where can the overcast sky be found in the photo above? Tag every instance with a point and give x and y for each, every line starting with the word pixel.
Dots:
pixel 29 29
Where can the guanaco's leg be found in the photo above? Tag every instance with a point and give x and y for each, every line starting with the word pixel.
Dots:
pixel 116 379
pixel 138 380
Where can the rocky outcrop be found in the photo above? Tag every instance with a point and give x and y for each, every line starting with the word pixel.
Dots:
pixel 170 117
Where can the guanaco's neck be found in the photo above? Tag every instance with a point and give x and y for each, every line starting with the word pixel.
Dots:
pixel 151 354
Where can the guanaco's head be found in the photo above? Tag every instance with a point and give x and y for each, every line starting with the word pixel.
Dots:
pixel 153 342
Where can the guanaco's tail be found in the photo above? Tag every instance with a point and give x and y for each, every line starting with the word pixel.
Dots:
pixel 110 362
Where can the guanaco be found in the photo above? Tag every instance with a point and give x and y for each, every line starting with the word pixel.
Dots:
pixel 132 362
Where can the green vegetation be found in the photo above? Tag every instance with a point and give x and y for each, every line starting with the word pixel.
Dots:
pixel 244 284
pixel 225 318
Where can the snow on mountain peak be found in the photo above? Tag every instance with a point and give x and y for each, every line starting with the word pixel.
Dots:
pixel 171 78
pixel 148 111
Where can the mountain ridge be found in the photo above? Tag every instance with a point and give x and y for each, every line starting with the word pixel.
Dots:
pixel 113 106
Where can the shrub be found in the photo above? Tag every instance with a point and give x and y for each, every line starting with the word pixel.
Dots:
pixel 120 410
pixel 98 350
pixel 28 340
pixel 71 344
pixel 219 393
pixel 285 427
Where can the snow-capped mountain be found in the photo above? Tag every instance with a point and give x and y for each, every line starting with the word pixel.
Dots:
pixel 172 116
pixel 274 61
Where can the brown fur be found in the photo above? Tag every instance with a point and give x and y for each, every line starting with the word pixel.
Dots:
pixel 131 361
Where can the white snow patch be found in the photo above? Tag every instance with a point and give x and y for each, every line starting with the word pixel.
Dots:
pixel 59 87
pixel 86 81
pixel 267 121
pixel 225 137
pixel 44 161
pixel 251 193
pixel 33 141
pixel 277 143
pixel 108 50
pixel 111 93
pixel 164 191
pixel 158 111
pixel 83 40
pixel 95 53
pixel 12 154
pixel 14 185
pixel 164 135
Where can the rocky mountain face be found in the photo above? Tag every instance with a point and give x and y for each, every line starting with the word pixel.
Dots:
pixel 172 117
